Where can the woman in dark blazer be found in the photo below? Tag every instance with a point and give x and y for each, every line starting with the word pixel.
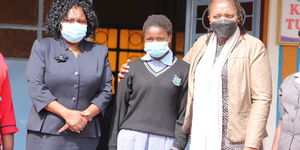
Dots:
pixel 69 81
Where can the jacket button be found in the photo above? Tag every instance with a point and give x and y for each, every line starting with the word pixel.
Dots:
pixel 76 73
pixel 74 99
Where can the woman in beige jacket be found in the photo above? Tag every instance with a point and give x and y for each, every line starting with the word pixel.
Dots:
pixel 229 93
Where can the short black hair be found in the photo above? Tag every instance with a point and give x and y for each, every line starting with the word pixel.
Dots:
pixel 160 21
pixel 59 11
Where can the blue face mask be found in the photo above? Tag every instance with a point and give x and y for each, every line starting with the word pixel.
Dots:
pixel 73 32
pixel 156 49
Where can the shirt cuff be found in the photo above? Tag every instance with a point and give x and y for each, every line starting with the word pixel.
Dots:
pixel 256 145
pixel 9 129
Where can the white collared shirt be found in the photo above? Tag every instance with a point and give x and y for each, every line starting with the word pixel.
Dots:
pixel 161 64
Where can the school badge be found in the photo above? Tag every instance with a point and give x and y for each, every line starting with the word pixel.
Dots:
pixel 176 80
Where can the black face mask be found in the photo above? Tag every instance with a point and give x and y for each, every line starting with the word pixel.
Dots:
pixel 224 28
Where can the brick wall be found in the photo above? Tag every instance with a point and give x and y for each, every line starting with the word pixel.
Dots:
pixel 21 22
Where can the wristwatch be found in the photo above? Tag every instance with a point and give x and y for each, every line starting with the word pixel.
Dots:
pixel 89 115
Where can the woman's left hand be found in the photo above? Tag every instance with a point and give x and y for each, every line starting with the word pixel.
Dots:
pixel 74 124
pixel 86 116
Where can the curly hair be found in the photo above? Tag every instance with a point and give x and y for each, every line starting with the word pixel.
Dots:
pixel 160 21
pixel 59 11
pixel 239 12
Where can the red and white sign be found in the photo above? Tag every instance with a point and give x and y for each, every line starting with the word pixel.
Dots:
pixel 289 22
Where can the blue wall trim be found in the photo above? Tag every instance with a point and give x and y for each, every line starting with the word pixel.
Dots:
pixel 21 100
pixel 298 60
pixel 279 82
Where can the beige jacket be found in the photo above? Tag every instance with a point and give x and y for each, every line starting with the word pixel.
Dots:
pixel 249 89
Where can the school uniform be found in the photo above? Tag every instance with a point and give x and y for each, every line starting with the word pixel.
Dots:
pixel 151 103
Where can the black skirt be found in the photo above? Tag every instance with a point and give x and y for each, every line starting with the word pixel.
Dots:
pixel 41 141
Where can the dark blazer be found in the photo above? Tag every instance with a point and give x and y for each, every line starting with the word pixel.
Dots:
pixel 54 73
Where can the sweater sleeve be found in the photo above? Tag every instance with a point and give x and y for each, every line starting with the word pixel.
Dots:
pixel 180 136
pixel 123 94
pixel 38 91
pixel 7 121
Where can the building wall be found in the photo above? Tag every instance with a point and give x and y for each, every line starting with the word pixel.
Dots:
pixel 18 31
pixel 273 56
pixel 21 100
pixel 284 60
pixel 21 22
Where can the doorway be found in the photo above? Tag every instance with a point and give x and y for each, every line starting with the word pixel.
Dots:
pixel 120 29
pixel 121 22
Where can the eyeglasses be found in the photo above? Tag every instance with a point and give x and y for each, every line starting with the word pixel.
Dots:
pixel 75 20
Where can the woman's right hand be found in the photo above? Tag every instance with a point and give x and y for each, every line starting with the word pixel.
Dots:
pixel 124 69
pixel 75 121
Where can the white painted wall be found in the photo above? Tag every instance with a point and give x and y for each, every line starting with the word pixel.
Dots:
pixel 273 50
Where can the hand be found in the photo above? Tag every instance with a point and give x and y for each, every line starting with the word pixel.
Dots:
pixel 75 121
pixel 248 148
pixel 0 142
pixel 124 69
pixel 87 115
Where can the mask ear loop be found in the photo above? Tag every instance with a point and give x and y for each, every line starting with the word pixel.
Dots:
pixel 210 30
pixel 170 39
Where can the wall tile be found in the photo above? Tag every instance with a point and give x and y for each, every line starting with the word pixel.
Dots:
pixel 23 12
pixel 16 43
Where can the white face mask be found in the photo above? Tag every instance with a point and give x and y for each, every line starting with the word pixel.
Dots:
pixel 73 32
pixel 156 49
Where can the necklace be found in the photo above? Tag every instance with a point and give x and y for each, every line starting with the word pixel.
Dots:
pixel 220 44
